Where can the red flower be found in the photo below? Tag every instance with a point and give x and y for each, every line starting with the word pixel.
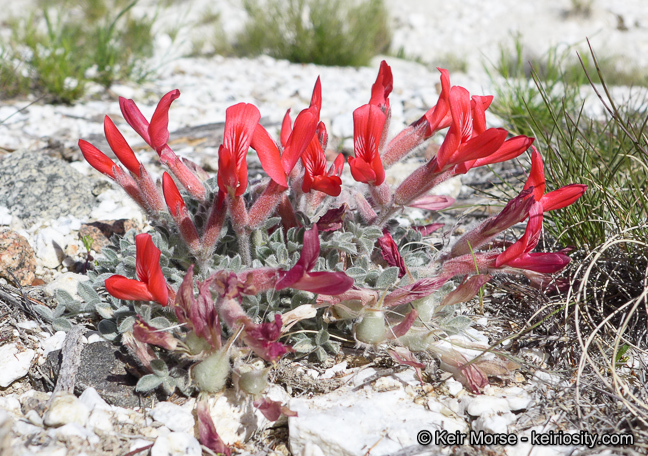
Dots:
pixel 151 285
pixel 519 254
pixel 556 199
pixel 382 87
pixel 240 123
pixel 121 148
pixel 299 276
pixel 390 253
pixel 148 334
pixel 314 160
pixel 368 123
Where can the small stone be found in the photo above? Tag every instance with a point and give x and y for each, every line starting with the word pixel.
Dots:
pixel 454 387
pixel 93 401
pixel 101 231
pixel 50 246
pixel 101 420
pixel 66 409
pixel 16 257
pixel 480 405
pixel 53 343
pixel 77 430
pixel 15 363
pixel 35 186
pixel 173 416
pixel 68 281
pixel 176 443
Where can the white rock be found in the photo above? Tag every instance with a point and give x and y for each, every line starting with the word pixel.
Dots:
pixel 34 418
pixel 234 419
pixel 66 409
pixel 28 324
pixel 137 444
pixel 494 422
pixel 10 403
pixel 173 416
pixel 52 343
pixel 15 363
pixel 176 444
pixel 75 430
pixel 454 387
pixel 5 216
pixel 50 247
pixel 342 424
pixel 330 373
pixel 91 399
pixel 25 429
pixel 100 419
pixel 67 281
pixel 480 405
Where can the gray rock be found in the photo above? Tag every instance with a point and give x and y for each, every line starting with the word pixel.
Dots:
pixel 102 368
pixel 33 186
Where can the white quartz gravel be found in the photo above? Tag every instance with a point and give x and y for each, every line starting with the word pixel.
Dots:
pixel 382 417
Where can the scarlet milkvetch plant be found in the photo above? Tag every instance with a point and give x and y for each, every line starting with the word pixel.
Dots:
pixel 301 244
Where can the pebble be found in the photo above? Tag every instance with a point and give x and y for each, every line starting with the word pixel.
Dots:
pixel 173 416
pixel 15 363
pixel 66 409
pixel 175 444
pixel 68 281
pixel 17 259
pixel 338 423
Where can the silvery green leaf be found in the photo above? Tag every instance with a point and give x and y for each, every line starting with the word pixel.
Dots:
pixel 44 312
pixel 109 255
pixel 321 337
pixel 272 261
pixel 61 324
pixel 388 277
pixel 124 244
pixel 321 354
pixel 272 221
pixel 101 278
pixel 263 251
pixel 276 236
pixel 256 264
pixel 456 324
pixel 61 308
pixel 363 263
pixel 169 384
pixel 320 264
pixel 92 276
pixel 160 322
pixel 126 324
pixel 301 297
pixel 63 297
pixel 294 246
pixel 352 226
pixel 130 251
pixel 104 310
pixel 282 254
pixel 372 232
pixel 88 293
pixel 303 346
pixel 148 383
pixel 356 272
pixel 129 262
pixel 332 259
pixel 164 261
pixel 145 312
pixel 107 328
pixel 371 277
pixel 159 368
pixel 235 263
pixel 292 235
pixel 332 346
pixel 367 245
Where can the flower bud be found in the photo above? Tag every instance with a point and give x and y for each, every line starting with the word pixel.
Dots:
pixel 196 343
pixel 211 374
pixel 372 329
